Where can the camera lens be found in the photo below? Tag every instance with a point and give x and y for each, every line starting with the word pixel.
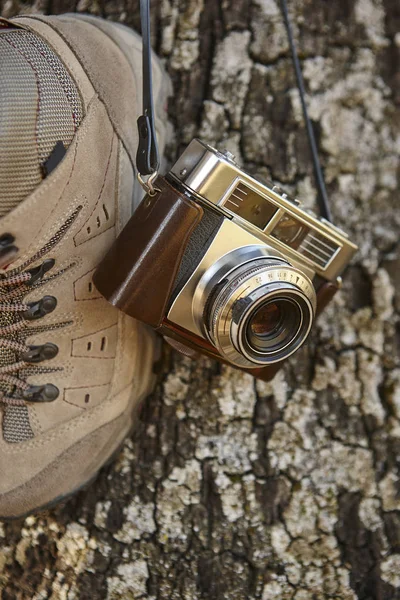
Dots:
pixel 260 312
pixel 273 325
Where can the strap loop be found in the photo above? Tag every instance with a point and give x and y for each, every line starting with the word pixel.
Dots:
pixel 147 185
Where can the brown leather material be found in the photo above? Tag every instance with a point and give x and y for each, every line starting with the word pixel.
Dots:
pixel 188 339
pixel 196 343
pixel 325 295
pixel 138 273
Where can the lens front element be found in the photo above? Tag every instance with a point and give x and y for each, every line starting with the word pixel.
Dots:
pixel 261 312
pixel 266 320
pixel 274 324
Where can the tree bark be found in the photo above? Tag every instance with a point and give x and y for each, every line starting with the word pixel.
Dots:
pixel 232 488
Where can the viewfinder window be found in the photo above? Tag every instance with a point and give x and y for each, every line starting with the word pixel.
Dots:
pixel 312 244
pixel 290 231
pixel 250 206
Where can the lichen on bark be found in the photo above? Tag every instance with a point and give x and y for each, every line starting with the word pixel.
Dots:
pixel 232 488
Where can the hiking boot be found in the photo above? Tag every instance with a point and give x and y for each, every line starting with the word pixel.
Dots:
pixel 73 370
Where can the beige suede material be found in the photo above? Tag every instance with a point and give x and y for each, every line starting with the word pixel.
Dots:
pixel 90 453
pixel 120 89
pixel 132 49
pixel 105 358
pixel 19 463
pixel 61 49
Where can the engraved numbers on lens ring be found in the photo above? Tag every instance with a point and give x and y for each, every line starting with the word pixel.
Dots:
pixel 288 275
pixel 272 275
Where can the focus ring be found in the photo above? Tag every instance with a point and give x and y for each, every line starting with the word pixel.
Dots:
pixel 219 301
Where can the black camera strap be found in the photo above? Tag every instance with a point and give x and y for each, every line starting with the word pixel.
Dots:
pixel 322 198
pixel 147 158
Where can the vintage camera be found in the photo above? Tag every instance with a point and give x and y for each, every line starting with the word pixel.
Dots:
pixel 222 264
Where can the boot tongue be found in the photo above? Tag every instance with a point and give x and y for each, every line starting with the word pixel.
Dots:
pixel 40 110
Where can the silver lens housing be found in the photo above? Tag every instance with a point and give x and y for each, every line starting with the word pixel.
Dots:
pixel 241 292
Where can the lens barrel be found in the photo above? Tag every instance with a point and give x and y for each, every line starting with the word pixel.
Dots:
pixel 260 312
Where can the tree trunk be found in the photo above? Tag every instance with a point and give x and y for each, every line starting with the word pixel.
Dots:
pixel 232 488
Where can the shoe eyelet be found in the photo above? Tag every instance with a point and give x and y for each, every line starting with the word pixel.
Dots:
pixel 41 393
pixel 39 309
pixel 6 240
pixel 38 272
pixel 7 250
pixel 37 354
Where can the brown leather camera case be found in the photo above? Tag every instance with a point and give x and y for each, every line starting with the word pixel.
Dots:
pixel 138 273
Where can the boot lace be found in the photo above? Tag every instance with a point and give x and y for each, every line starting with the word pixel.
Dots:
pixel 17 358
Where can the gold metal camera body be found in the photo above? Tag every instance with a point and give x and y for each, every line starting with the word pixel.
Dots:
pixel 225 264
